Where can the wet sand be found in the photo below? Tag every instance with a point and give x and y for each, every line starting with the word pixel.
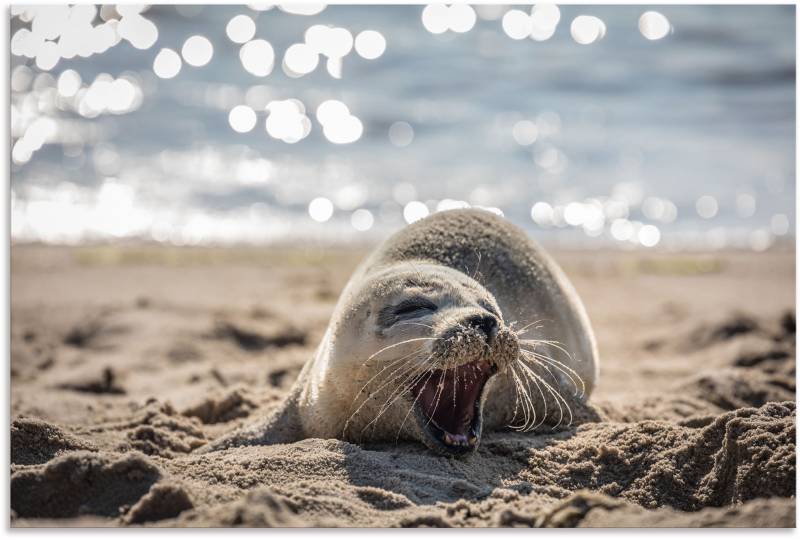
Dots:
pixel 124 359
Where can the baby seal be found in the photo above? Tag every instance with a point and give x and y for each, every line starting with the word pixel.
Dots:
pixel 456 324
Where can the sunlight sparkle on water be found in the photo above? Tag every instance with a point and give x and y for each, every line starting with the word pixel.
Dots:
pixel 362 220
pixel 242 119
pixel 287 121
pixel 339 126
pixel 167 64
pixel 653 25
pixel 306 8
pixel 779 224
pixel 320 209
pixel 544 20
pixel 649 235
pixel 517 24
pixel 760 240
pixel 300 59
pixel 257 57
pixel 240 29
pixel 197 51
pixel 69 82
pixel 370 44
pixel 414 211
pixel 525 132
pixel 706 207
pixel 401 134
pixel 542 214
pixel 621 229
pixel 586 29
pixel 745 205
pixel 138 31
pixel 439 18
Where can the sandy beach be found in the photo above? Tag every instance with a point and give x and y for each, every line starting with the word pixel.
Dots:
pixel 124 359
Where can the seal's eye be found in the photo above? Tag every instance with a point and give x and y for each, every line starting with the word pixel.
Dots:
pixel 413 307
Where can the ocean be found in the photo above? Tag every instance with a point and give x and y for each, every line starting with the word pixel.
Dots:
pixel 681 142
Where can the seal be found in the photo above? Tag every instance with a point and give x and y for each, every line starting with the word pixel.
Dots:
pixel 457 324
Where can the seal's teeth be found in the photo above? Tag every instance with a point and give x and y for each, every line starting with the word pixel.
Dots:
pixel 448 439
pixel 473 439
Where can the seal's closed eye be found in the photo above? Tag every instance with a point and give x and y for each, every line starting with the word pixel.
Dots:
pixel 410 308
pixel 413 305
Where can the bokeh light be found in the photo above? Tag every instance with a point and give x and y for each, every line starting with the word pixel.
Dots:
pixel 370 44
pixel 306 8
pixel 745 205
pixel 362 220
pixel 401 134
pixel 542 214
pixel 339 126
pixel 544 20
pixel 517 24
pixel 69 82
pixel 197 51
pixel 242 119
pixel 257 57
pixel 167 64
pixel 525 132
pixel 300 59
pixel 439 18
pixel 240 29
pixel 779 224
pixel 649 235
pixel 320 209
pixel 287 120
pixel 587 29
pixel 137 30
pixel 706 207
pixel 653 25
pixel 414 211
pixel 461 18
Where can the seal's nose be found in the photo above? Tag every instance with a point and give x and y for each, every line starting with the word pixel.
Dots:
pixel 485 323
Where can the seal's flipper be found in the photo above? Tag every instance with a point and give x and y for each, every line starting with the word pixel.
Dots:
pixel 282 426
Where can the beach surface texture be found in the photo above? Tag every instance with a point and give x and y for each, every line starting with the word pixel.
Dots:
pixel 125 359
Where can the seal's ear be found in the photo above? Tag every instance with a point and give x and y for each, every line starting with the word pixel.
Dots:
pixel 282 426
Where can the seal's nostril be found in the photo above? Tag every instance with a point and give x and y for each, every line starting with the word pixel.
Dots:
pixel 485 323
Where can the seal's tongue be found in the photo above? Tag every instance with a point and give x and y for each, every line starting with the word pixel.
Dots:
pixel 448 397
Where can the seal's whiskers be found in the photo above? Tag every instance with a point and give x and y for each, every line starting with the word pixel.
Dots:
pixel 570 373
pixel 559 399
pixel 528 409
pixel 393 345
pixel 403 360
pixel 415 375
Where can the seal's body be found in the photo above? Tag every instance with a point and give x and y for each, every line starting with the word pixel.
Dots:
pixel 456 323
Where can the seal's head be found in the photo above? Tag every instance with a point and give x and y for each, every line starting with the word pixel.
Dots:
pixel 429 340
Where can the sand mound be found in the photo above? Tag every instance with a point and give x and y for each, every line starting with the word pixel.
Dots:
pixel 34 441
pixel 259 508
pixel 162 431
pixel 234 404
pixel 163 501
pixel 104 382
pixel 82 483
pixel 256 337
pixel 586 509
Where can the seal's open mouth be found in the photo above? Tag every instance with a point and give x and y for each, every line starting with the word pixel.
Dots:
pixel 448 406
